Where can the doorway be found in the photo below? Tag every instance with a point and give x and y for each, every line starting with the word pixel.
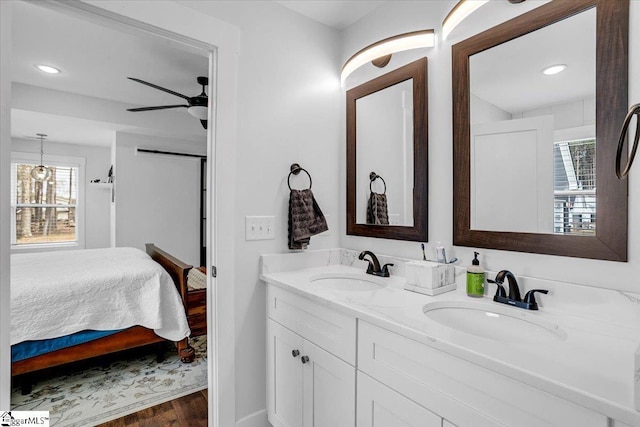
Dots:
pixel 135 131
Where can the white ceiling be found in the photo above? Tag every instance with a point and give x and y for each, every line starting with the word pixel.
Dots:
pixel 333 13
pixel 510 75
pixel 96 61
pixel 63 129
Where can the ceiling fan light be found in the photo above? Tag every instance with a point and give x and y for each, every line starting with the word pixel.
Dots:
pixel 199 112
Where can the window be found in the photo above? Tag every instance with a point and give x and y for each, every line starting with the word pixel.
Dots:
pixel 575 187
pixel 48 212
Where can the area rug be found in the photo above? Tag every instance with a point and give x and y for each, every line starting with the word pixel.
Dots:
pixel 96 393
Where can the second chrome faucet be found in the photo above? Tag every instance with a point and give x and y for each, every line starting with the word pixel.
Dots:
pixel 374 264
pixel 528 302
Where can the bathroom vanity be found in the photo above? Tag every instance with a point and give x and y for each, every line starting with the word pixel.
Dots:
pixel 349 349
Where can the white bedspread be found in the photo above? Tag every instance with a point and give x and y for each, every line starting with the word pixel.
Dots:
pixel 63 292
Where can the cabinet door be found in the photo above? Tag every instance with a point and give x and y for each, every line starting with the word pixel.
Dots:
pixel 329 389
pixel 284 376
pixel 379 406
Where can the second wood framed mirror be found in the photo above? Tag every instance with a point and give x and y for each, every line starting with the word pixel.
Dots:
pixel 534 152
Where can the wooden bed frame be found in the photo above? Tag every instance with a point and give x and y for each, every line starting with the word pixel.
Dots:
pixel 136 336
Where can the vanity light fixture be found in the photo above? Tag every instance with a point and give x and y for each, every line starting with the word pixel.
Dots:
pixel 47 69
pixel 554 69
pixel 458 14
pixel 380 52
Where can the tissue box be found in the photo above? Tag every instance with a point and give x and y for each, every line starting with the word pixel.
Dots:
pixel 636 378
pixel 430 278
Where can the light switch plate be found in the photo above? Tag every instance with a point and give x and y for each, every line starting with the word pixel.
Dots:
pixel 260 228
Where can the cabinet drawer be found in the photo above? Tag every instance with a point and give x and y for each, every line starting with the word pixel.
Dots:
pixel 379 406
pixel 325 327
pixel 440 382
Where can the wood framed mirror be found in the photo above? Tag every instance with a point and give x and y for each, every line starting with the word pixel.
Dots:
pixel 387 138
pixel 500 144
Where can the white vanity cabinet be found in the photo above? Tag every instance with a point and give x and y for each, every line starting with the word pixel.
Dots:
pixel 379 406
pixel 307 386
pixel 394 381
pixel 463 393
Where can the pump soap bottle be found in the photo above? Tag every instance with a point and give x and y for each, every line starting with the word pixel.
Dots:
pixel 475 278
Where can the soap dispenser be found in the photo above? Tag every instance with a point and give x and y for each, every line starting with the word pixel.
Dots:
pixel 475 278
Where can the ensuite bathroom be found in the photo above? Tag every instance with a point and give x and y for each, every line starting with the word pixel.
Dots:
pixel 402 213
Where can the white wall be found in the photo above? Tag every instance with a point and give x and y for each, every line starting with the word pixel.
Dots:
pixel 97 201
pixel 158 196
pixel 573 114
pixel 288 112
pixel 398 17
pixel 5 212
pixel 483 111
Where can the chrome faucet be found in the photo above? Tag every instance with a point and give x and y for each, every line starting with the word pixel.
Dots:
pixel 529 301
pixel 374 264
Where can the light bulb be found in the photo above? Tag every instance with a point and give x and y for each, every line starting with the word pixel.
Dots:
pixel 41 173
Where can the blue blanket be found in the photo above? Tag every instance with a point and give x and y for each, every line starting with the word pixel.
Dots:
pixel 27 349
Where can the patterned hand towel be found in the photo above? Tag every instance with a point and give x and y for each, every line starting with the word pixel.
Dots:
pixel 377 209
pixel 305 218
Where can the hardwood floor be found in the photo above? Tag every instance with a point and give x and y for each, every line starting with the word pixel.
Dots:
pixel 190 410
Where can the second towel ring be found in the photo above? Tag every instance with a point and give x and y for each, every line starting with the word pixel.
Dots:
pixel 635 110
pixel 372 177
pixel 295 170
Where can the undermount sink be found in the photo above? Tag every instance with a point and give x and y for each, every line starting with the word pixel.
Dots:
pixel 494 322
pixel 347 282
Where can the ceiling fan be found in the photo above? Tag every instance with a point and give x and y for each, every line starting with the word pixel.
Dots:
pixel 196 105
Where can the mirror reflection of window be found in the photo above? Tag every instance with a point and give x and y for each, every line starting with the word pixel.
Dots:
pixel 533 131
pixel 384 129
pixel 574 185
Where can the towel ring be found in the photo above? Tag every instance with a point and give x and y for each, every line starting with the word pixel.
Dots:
pixel 295 169
pixel 372 177
pixel 635 109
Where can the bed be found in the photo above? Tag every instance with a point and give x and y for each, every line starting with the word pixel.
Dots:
pixel 120 293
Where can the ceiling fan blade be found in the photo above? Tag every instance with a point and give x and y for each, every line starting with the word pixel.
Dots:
pixel 204 123
pixel 159 88
pixel 160 107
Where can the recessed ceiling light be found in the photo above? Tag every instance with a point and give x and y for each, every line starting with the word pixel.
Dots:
pixel 47 69
pixel 554 69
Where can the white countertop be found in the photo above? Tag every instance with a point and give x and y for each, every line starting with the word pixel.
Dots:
pixel 593 367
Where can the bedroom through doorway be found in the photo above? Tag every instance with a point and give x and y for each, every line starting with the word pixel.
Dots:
pixel 124 177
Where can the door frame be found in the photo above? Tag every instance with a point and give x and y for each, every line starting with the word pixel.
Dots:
pixel 221 41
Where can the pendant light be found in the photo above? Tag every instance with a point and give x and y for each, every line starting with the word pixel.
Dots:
pixel 41 172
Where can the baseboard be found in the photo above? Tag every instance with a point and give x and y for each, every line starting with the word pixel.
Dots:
pixel 257 419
